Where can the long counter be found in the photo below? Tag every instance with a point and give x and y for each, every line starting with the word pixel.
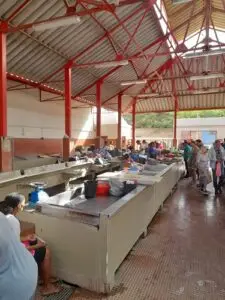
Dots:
pixel 89 244
pixel 52 175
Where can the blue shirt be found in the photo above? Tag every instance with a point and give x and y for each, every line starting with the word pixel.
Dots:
pixel 18 269
pixel 152 152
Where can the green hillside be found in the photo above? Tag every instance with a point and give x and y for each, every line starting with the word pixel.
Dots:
pixel 165 120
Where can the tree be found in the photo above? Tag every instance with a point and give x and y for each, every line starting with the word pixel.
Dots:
pixel 165 120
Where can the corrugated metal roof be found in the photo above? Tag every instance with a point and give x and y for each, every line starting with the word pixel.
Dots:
pixel 180 14
pixel 36 55
pixel 41 56
pixel 155 105
pixel 203 101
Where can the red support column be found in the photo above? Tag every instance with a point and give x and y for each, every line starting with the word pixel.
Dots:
pixel 175 125
pixel 68 102
pixel 3 85
pixel 174 93
pixel 119 121
pixel 98 115
pixel 68 111
pixel 133 123
pixel 5 143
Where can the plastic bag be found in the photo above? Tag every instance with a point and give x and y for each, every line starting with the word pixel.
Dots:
pixel 116 187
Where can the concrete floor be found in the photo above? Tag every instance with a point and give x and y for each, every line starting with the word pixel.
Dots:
pixel 183 256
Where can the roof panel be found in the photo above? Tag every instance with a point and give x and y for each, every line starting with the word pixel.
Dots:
pixel 108 20
pixel 36 55
pixel 201 101
pixel 155 105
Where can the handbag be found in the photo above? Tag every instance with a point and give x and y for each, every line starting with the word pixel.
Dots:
pixel 218 169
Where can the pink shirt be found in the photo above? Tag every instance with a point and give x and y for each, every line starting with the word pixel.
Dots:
pixel 26 244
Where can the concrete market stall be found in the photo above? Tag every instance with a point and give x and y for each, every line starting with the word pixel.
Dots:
pixel 90 241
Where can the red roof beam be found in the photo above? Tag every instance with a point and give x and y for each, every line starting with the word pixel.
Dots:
pixel 188 25
pixel 43 87
pixel 30 25
pixel 125 89
pixel 186 109
pixel 208 12
pixel 66 3
pixel 94 44
pixel 164 67
pixel 111 72
pixel 17 10
pixel 135 31
pixel 168 28
pixel 123 24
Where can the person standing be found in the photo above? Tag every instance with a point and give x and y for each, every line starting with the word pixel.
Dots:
pixel 223 144
pixel 18 269
pixel 187 155
pixel 138 145
pixel 144 145
pixel 152 151
pixel 203 168
pixel 217 157
pixel 193 162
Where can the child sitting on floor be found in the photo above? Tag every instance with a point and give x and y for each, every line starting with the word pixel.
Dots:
pixel 203 168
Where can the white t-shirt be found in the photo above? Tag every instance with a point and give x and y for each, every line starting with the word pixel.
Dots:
pixel 14 224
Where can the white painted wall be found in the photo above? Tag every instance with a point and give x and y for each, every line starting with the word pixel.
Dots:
pixel 110 130
pixel 109 121
pixel 30 118
pixel 201 124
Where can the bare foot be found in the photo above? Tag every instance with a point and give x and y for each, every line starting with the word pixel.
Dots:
pixel 49 290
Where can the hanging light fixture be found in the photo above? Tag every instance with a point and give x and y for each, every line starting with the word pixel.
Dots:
pixel 207 76
pixel 203 53
pixel 142 81
pixel 59 22
pixel 111 64
pixel 147 95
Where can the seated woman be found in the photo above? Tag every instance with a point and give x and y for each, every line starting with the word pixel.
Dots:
pixel 10 207
pixel 18 270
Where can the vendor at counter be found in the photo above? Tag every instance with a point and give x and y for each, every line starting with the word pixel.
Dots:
pixel 152 150
pixel 144 145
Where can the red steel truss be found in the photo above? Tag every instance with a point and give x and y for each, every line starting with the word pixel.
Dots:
pixel 91 7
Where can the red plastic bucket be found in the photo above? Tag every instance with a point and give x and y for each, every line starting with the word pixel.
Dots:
pixel 102 189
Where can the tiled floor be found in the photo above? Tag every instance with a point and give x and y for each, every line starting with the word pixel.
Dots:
pixel 183 256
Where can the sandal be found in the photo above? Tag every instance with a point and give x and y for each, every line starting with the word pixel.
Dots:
pixel 51 290
pixel 52 280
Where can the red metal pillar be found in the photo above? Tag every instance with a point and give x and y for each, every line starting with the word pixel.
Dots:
pixel 68 111
pixel 98 115
pixel 175 124
pixel 133 123
pixel 5 143
pixel 174 93
pixel 119 121
pixel 3 84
